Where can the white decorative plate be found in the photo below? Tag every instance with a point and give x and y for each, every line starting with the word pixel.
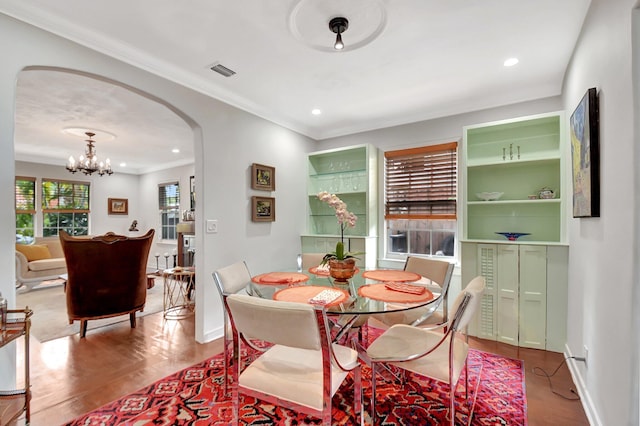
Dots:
pixel 489 196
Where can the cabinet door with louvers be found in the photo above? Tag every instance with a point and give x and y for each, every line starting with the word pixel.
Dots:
pixel 481 259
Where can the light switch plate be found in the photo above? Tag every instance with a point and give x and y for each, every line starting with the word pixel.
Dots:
pixel 212 226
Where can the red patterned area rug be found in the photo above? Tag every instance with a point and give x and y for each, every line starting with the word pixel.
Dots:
pixel 193 396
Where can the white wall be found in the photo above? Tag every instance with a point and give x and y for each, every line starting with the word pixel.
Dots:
pixel 603 254
pixel 226 142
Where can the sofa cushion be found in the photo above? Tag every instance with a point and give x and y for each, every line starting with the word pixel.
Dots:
pixel 47 264
pixel 34 251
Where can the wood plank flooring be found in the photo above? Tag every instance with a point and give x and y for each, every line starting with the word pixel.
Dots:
pixel 71 376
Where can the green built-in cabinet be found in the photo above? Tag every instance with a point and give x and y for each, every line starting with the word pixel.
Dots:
pixel 525 300
pixel 351 174
pixel 517 157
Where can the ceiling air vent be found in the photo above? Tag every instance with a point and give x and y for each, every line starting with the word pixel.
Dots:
pixel 221 69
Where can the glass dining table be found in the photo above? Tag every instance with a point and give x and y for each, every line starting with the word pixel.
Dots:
pixel 369 292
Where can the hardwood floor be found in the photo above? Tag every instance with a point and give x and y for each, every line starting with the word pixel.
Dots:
pixel 70 376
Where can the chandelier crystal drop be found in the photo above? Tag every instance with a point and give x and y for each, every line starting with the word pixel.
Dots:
pixel 89 163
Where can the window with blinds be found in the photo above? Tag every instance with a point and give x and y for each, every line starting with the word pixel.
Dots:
pixel 421 183
pixel 169 204
pixel 65 205
pixel 25 204
pixel 420 200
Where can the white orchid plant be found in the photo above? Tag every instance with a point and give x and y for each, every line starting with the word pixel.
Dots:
pixel 345 219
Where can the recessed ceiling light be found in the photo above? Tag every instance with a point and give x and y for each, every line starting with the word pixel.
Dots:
pixel 123 164
pixel 316 111
pixel 510 62
pixel 175 150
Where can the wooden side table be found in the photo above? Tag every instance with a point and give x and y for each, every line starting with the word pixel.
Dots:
pixel 178 284
pixel 15 402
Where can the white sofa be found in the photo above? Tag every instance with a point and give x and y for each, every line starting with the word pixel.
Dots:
pixel 45 262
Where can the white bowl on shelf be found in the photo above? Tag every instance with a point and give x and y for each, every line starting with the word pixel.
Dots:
pixel 489 196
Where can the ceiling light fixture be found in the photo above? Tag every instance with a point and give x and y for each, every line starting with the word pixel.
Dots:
pixel 88 163
pixel 338 25
pixel 510 62
pixel 316 111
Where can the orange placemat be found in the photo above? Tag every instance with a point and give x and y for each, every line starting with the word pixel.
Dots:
pixel 303 293
pixel 391 275
pixel 381 292
pixel 280 278
pixel 323 272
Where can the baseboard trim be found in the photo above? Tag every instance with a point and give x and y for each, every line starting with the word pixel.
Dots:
pixel 583 392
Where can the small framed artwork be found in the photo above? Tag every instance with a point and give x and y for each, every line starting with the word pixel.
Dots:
pixel 263 209
pixel 263 177
pixel 118 206
pixel 585 152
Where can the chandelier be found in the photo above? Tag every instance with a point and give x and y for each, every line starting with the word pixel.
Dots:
pixel 88 163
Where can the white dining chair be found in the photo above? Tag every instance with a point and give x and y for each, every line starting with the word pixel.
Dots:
pixel 302 369
pixel 437 278
pixel 233 278
pixel 440 356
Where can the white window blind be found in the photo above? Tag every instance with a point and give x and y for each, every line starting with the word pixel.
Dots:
pixel 421 183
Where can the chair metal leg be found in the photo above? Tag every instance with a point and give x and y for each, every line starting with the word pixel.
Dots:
pixel 83 328
pixel 373 393
pixel 227 360
pixel 452 408
pixel 466 380
pixel 132 319
pixel 357 396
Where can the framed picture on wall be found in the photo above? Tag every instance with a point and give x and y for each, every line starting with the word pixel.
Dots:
pixel 118 206
pixel 263 209
pixel 263 177
pixel 585 156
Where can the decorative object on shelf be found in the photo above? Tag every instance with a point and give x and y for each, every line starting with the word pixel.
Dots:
pixel 345 218
pixel 532 196
pixel 338 25
pixel 585 155
pixel 263 177
pixel 118 206
pixel 263 209
pixel 88 163
pixel 134 226
pixel 546 193
pixel 489 196
pixel 512 236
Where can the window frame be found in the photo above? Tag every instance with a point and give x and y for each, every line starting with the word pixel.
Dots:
pixel 165 210
pixel 80 204
pixel 440 205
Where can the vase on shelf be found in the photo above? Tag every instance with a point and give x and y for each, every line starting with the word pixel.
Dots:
pixel 342 270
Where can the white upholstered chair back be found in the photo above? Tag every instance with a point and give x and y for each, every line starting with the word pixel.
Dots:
pixel 282 323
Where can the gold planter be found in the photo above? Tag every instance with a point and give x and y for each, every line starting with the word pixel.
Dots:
pixel 342 270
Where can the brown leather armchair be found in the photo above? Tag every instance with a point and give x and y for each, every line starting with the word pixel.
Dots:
pixel 107 276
